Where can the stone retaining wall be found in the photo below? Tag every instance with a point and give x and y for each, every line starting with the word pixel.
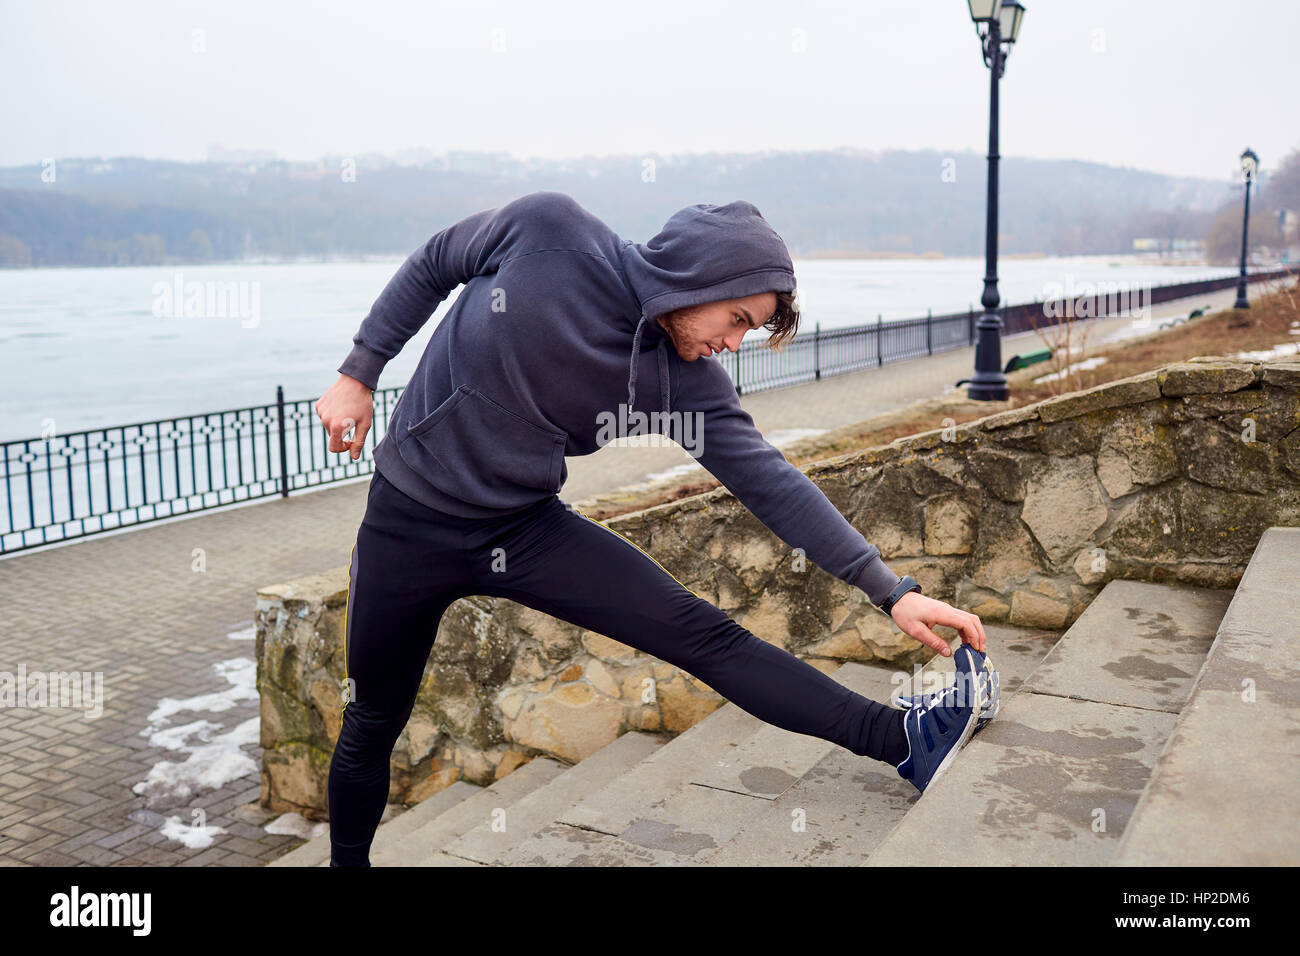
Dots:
pixel 1021 517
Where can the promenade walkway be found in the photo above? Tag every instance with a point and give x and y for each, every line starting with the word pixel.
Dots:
pixel 165 613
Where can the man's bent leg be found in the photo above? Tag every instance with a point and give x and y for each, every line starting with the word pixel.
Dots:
pixel 405 570
pixel 571 567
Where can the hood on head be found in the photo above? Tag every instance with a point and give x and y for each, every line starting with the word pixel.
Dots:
pixel 704 253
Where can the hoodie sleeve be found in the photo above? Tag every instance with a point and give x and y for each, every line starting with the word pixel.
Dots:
pixel 779 494
pixel 475 246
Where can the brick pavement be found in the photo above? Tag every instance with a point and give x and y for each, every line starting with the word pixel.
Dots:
pixel 132 606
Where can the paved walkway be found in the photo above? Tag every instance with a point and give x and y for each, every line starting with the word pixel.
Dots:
pixel 171 638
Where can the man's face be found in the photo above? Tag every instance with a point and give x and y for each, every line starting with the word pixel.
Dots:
pixel 702 330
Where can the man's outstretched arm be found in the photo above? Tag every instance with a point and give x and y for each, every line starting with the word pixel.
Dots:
pixel 789 503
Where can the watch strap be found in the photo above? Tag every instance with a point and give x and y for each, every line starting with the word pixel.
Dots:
pixel 906 583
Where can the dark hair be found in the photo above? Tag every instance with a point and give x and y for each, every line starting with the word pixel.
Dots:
pixel 784 322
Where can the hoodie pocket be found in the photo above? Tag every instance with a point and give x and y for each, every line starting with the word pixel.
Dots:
pixel 478 451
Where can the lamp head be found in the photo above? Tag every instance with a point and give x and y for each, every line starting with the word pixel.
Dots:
pixel 1009 15
pixel 982 11
pixel 1249 164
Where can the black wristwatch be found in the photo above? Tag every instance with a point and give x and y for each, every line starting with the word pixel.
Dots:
pixel 908 583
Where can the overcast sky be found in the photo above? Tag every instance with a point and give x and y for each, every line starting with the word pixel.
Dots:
pixel 1175 87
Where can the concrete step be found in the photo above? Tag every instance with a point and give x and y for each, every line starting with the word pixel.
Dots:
pixel 689 803
pixel 419 841
pixel 1223 791
pixel 400 827
pixel 316 852
pixel 588 832
pixel 491 838
pixel 311 853
pixel 1054 779
pixel 843 806
pixel 391 833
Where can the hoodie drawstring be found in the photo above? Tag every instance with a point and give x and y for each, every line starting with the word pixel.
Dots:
pixel 663 378
pixel 664 383
pixel 631 375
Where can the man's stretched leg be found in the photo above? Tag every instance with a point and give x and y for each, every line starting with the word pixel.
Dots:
pixel 571 567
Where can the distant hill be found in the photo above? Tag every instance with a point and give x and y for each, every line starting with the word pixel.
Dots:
pixel 143 211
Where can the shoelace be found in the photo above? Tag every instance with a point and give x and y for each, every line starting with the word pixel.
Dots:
pixel 934 701
pixel 986 689
pixel 939 697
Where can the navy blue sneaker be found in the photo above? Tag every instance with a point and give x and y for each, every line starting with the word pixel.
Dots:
pixel 939 727
pixel 989 686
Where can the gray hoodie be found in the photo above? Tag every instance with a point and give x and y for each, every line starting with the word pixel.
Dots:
pixel 552 350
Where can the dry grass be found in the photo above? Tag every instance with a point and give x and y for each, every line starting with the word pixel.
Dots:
pixel 1267 323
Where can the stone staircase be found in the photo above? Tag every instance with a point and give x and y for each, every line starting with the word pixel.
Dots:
pixel 1124 741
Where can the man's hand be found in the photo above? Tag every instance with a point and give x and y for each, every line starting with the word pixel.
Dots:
pixel 916 614
pixel 348 404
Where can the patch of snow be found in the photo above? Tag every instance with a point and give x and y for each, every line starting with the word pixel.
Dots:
pixel 196 837
pixel 213 762
pixel 1077 366
pixel 212 759
pixel 784 436
pixel 1264 355
pixel 295 824
pixel 657 477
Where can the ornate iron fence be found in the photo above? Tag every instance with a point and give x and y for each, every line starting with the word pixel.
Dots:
pixel 807 358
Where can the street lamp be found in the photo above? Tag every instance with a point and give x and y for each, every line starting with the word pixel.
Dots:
pixel 1249 164
pixel 998 24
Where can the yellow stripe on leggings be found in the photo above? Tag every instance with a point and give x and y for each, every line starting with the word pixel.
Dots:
pixel 635 545
pixel 351 558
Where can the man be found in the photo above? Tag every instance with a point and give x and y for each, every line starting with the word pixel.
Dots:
pixel 559 319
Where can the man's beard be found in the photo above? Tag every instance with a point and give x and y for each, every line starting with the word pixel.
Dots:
pixel 681 332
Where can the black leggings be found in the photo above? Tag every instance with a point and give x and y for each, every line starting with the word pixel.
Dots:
pixel 410 562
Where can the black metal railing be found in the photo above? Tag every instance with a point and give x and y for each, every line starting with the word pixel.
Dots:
pixel 754 367
pixel 61 487
pixel 57 487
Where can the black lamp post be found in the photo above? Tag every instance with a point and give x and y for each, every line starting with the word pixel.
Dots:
pixel 998 23
pixel 1249 163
